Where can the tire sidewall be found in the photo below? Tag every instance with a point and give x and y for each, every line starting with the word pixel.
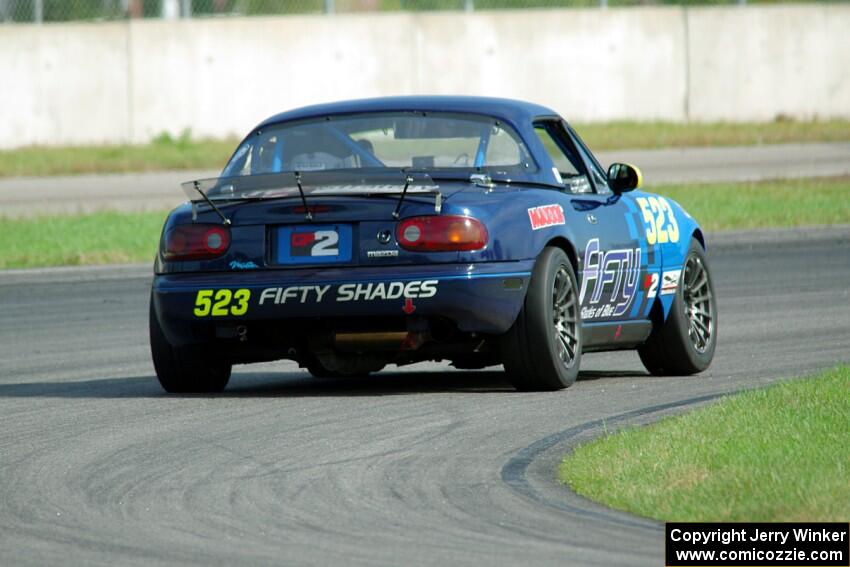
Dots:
pixel 699 360
pixel 191 369
pixel 541 314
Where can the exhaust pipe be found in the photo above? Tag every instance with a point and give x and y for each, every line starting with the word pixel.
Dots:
pixel 390 340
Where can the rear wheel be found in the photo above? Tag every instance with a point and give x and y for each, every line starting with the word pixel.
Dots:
pixel 542 350
pixel 185 369
pixel 685 343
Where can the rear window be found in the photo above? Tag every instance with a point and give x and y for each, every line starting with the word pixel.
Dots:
pixel 420 141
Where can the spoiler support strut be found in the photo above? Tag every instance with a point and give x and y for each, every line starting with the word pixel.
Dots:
pixel 407 181
pixel 308 214
pixel 224 219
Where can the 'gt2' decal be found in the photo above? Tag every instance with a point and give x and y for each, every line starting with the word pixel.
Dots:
pixel 619 269
pixel 547 215
pixel 314 243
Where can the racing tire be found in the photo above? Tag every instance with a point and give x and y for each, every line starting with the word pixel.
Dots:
pixel 184 370
pixel 684 344
pixel 542 350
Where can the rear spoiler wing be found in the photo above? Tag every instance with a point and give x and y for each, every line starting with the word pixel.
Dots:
pixel 308 184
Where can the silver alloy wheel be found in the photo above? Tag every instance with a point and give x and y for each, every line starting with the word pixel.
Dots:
pixel 565 311
pixel 698 298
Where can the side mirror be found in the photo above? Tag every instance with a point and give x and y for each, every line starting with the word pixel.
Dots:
pixel 623 177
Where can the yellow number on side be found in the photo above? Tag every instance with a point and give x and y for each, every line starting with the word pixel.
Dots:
pixel 659 220
pixel 661 225
pixel 203 302
pixel 672 225
pixel 649 220
pixel 241 296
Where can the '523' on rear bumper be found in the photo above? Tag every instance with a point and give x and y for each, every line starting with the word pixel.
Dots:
pixel 285 310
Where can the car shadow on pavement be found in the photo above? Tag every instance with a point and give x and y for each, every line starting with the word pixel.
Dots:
pixel 590 375
pixel 290 385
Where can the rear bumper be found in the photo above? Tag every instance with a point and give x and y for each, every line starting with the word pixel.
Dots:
pixel 481 297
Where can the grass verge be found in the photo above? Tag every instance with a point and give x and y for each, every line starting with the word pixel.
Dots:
pixel 763 204
pixel 111 237
pixel 622 135
pixel 168 153
pixel 780 454
pixel 98 238
pixel 163 154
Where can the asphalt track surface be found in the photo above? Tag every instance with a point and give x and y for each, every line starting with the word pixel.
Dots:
pixel 421 465
pixel 161 191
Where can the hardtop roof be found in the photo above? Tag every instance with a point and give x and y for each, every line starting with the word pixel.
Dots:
pixel 514 112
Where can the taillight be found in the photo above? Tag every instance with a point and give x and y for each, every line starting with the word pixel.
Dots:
pixel 196 242
pixel 441 233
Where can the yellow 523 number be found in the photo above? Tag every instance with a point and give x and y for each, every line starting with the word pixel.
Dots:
pixel 222 302
pixel 661 225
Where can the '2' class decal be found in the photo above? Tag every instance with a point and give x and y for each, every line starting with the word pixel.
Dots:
pixel 661 225
pixel 669 283
pixel 314 243
pixel 650 284
pixel 547 215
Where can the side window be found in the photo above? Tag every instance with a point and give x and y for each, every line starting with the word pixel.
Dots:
pixel 597 174
pixel 567 164
pixel 563 156
pixel 265 158
pixel 502 149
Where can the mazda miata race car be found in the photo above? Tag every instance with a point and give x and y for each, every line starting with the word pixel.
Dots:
pixel 353 235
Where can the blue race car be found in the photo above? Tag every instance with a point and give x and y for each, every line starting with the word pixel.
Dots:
pixel 481 231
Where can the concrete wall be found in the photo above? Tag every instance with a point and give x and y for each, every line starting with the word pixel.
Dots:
pixel 106 83
pixel 63 84
pixel 755 64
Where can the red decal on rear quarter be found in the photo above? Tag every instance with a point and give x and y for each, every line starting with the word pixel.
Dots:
pixel 408 306
pixel 547 215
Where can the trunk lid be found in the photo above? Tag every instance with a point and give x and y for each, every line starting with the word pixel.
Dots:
pixel 352 219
